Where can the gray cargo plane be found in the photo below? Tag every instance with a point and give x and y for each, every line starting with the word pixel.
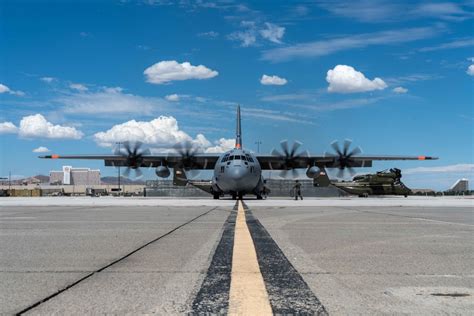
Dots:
pixel 237 172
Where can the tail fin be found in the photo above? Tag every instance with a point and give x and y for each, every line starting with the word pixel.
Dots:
pixel 238 135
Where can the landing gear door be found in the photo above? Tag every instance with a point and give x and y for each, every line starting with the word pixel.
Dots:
pixel 179 177
pixel 322 180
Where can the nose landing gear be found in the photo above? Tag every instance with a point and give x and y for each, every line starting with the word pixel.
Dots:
pixel 236 196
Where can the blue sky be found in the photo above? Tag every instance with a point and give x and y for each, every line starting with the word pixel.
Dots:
pixel 395 77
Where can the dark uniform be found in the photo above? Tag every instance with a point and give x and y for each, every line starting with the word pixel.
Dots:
pixel 297 190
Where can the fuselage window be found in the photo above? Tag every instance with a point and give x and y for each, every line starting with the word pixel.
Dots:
pixel 222 169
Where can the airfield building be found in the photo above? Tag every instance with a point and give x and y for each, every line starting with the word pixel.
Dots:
pixel 462 185
pixel 75 176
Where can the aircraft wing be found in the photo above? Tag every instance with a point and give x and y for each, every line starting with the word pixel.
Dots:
pixel 197 161
pixel 275 162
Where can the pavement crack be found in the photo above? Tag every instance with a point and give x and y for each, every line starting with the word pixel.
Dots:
pixel 36 304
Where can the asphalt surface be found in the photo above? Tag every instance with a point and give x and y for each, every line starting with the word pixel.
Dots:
pixel 341 258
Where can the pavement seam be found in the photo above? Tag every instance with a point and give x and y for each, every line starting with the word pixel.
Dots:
pixel 36 304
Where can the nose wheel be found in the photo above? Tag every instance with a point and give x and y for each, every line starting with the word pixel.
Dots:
pixel 239 196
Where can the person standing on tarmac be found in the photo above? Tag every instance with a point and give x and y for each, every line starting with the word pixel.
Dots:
pixel 297 190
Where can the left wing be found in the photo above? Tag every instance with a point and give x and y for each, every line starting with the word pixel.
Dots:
pixel 276 162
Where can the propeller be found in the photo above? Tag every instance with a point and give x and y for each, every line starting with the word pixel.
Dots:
pixel 134 152
pixel 343 157
pixel 187 150
pixel 289 157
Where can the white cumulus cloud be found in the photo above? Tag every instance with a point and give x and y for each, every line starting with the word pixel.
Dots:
pixel 345 79
pixel 78 87
pixel 41 149
pixel 161 132
pixel 170 70
pixel 273 32
pixel 172 97
pixel 6 89
pixel 36 126
pixel 400 90
pixel 273 80
pixel 470 70
pixel 8 128
pixel 222 145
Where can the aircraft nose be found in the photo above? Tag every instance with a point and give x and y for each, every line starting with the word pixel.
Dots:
pixel 237 173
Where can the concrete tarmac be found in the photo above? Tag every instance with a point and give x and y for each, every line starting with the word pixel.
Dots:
pixel 357 256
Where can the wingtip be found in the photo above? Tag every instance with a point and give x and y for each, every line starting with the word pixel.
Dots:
pixel 49 157
pixel 427 158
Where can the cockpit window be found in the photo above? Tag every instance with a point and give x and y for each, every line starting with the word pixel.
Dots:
pixel 238 157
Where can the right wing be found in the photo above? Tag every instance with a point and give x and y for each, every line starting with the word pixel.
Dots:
pixel 198 161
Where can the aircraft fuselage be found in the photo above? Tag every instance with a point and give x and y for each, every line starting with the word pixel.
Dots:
pixel 237 172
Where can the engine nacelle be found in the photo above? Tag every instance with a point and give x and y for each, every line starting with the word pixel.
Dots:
pixel 313 172
pixel 162 172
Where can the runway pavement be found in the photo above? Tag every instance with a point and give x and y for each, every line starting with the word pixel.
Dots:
pixel 317 256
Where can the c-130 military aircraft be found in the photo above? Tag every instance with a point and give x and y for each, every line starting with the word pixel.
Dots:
pixel 238 172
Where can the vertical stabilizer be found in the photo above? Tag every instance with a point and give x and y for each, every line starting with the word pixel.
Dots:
pixel 238 134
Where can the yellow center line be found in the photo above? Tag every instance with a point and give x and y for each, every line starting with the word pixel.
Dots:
pixel 248 295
